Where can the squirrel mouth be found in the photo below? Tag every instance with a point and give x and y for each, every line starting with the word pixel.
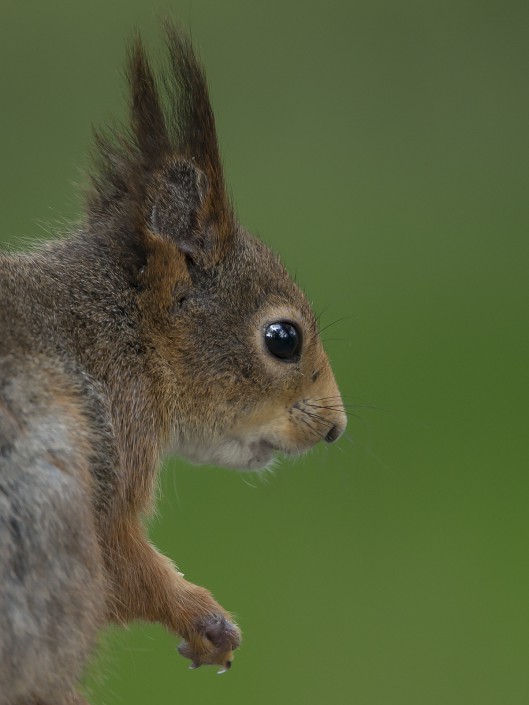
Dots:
pixel 263 452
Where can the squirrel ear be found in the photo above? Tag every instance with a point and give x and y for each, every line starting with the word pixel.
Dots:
pixel 178 197
pixel 166 167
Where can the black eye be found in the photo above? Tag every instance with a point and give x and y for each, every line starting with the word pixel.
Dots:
pixel 283 340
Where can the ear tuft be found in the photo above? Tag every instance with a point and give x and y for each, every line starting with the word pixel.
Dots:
pixel 146 114
pixel 169 145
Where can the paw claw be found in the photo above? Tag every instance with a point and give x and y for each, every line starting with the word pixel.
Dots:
pixel 227 667
pixel 212 642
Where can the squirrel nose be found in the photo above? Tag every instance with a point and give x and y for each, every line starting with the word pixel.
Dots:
pixel 334 434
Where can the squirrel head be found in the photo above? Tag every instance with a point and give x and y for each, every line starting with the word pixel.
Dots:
pixel 234 350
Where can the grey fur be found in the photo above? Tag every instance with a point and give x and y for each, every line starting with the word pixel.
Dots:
pixel 139 334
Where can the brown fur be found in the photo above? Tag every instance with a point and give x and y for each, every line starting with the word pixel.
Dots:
pixel 140 335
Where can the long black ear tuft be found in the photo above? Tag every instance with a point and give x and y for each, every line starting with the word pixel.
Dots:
pixel 194 123
pixel 146 112
pixel 171 122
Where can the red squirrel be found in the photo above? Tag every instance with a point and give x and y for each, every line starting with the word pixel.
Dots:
pixel 159 326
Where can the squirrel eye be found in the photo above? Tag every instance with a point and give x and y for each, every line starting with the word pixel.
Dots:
pixel 283 341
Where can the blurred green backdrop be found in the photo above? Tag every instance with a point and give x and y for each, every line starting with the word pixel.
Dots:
pixel 382 147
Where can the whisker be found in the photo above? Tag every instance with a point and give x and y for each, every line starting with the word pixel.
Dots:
pixel 333 323
pixel 320 314
pixel 365 404
pixel 335 408
pixel 317 333
pixel 349 438
pixel 315 417
pixel 247 482
pixel 345 406
pixel 332 340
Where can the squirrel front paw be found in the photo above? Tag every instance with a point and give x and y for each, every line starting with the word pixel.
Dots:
pixel 211 641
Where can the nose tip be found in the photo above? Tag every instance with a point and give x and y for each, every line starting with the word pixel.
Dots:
pixel 334 434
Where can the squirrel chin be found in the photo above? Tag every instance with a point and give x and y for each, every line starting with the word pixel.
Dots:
pixel 234 453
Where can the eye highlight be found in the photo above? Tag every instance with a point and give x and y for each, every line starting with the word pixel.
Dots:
pixel 283 341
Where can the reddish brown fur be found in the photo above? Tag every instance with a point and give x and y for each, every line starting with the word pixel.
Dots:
pixel 140 335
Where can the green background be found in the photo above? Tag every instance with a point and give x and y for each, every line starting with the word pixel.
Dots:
pixel 382 147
